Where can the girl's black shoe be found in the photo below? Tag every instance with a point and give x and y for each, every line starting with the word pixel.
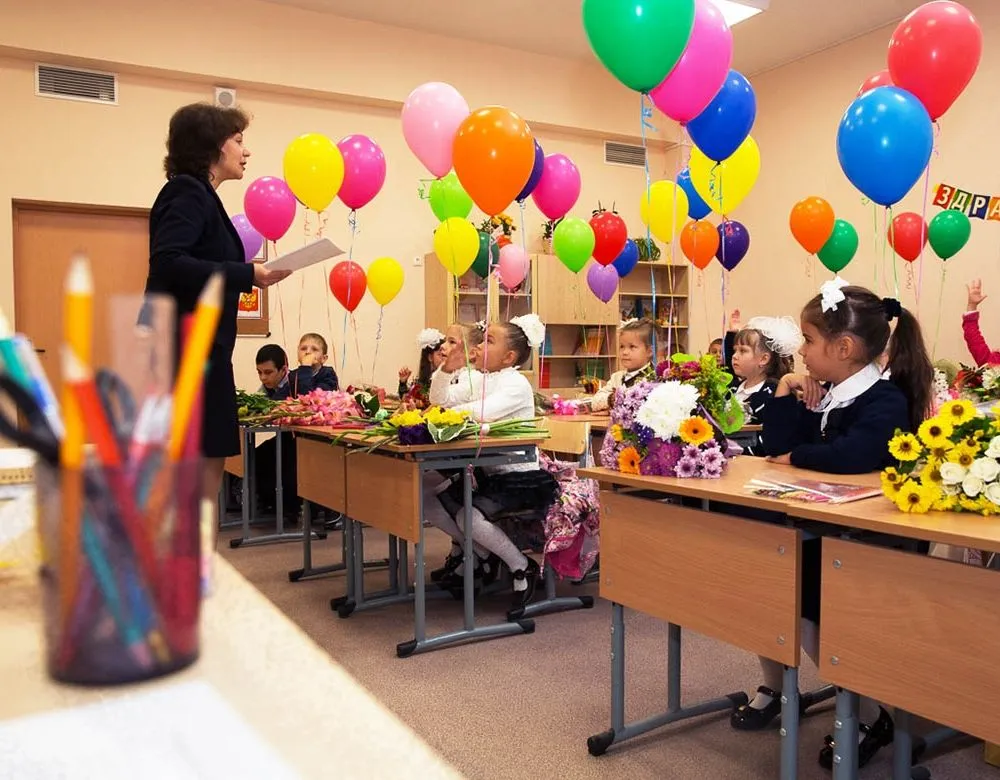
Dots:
pixel 451 563
pixel 529 575
pixel 747 718
pixel 873 739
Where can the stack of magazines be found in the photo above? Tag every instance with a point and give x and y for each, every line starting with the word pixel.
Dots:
pixel 788 486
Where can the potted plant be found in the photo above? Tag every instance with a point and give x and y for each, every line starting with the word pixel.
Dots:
pixel 501 227
pixel 649 252
pixel 548 228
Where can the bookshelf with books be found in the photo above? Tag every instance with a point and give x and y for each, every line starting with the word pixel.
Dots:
pixel 672 305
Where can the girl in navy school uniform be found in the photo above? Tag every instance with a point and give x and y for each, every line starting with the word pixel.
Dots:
pixel 839 418
pixel 499 391
pixel 431 342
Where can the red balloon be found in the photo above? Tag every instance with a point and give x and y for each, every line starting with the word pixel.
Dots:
pixel 610 235
pixel 934 53
pixel 880 79
pixel 348 284
pixel 908 235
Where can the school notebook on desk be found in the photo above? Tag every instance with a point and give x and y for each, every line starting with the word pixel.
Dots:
pixel 816 491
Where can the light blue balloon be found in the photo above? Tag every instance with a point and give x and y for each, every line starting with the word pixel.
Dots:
pixel 884 143
pixel 697 208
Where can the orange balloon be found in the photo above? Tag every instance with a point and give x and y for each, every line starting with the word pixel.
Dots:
pixel 493 155
pixel 812 223
pixel 699 242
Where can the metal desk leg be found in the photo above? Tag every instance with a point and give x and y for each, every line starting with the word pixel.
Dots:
pixel 404 567
pixel 470 631
pixel 354 566
pixel 393 563
pixel 790 723
pixel 902 746
pixel 845 736
pixel 279 492
pixel 620 731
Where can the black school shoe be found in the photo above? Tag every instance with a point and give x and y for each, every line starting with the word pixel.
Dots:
pixel 530 575
pixel 747 718
pixel 451 563
pixel 874 738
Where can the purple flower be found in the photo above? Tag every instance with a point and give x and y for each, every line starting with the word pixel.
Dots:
pixel 643 435
pixel 628 401
pixel 712 458
pixel 711 472
pixel 415 434
pixel 687 467
pixel 661 459
pixel 691 451
pixel 610 450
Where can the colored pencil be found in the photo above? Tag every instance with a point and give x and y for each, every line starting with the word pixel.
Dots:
pixel 12 362
pixel 40 387
pixel 77 334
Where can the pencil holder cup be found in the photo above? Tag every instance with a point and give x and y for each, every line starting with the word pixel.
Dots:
pixel 121 570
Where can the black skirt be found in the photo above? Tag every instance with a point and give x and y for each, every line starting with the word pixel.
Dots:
pixel 220 428
pixel 504 493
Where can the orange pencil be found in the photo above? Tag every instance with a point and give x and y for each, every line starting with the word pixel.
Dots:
pixel 77 334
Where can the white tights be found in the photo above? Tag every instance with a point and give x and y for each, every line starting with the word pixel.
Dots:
pixel 489 536
pixel 435 514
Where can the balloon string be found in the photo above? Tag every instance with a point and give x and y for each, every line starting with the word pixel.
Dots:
pixel 485 351
pixel 281 306
pixel 645 114
pixel 875 238
pixel 937 328
pixel 378 340
pixel 321 229
pixel 895 259
pixel 923 226
pixel 352 222
pixel 357 343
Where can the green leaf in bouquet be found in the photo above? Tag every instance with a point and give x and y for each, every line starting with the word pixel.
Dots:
pixel 446 433
pixel 731 418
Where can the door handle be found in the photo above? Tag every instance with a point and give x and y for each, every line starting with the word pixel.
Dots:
pixel 39 351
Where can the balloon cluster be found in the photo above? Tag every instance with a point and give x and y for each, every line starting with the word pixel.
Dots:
pixel 947 234
pixel 316 170
pixel 820 233
pixel 886 137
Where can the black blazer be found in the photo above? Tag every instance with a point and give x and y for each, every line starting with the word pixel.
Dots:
pixel 302 380
pixel 856 436
pixel 190 237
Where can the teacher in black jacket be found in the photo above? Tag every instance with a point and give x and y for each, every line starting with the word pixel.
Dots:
pixel 190 238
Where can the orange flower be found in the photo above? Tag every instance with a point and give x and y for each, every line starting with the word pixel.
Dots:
pixel 696 431
pixel 628 461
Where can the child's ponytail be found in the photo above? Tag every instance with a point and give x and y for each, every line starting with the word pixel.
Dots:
pixel 909 365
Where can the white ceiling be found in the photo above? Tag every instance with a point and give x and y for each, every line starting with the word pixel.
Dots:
pixel 787 31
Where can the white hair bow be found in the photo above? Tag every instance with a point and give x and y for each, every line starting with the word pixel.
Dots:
pixel 625 323
pixel 832 293
pixel 781 333
pixel 430 337
pixel 532 327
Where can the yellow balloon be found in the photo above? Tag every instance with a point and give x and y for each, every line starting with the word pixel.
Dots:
pixel 314 170
pixel 664 209
pixel 456 243
pixel 385 279
pixel 723 186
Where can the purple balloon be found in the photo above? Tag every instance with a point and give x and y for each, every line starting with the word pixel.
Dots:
pixel 536 174
pixel 603 281
pixel 627 259
pixel 252 240
pixel 734 242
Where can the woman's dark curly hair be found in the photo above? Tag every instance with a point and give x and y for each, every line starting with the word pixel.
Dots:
pixel 196 136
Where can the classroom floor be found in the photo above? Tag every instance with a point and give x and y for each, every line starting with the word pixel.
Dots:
pixel 524 706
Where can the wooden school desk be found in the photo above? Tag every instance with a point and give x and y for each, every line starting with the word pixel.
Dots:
pixel 935 607
pixel 295 694
pixel 384 490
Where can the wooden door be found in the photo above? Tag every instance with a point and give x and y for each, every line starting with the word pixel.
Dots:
pixel 46 237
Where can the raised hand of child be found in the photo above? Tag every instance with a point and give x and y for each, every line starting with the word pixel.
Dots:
pixel 309 359
pixel 976 296
pixel 808 390
pixel 734 320
pixel 405 374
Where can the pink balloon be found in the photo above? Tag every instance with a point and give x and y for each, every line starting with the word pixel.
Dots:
pixel 513 266
pixel 270 207
pixel 431 116
pixel 364 170
pixel 558 188
pixel 702 68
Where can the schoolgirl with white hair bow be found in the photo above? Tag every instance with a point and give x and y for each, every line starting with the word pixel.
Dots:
pixel 635 356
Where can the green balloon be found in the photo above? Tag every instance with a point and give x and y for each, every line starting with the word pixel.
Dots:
pixel 487 258
pixel 948 232
pixel 449 199
pixel 573 242
pixel 639 41
pixel 840 247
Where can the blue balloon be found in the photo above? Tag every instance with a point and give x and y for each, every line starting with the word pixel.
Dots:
pixel 697 208
pixel 626 259
pixel 536 174
pixel 734 243
pixel 726 122
pixel 884 143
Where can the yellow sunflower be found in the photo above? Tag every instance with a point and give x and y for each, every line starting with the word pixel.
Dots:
pixel 628 461
pixel 905 446
pixel 940 453
pixel 892 481
pixel 935 433
pixel 616 432
pixel 945 503
pixel 914 497
pixel 986 507
pixel 957 411
pixel 963 453
pixel 931 472
pixel 969 504
pixel 696 431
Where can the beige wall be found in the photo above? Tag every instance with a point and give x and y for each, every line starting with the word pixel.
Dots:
pixel 799 110
pixel 70 151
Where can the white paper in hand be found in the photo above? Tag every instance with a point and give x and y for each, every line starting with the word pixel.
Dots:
pixel 316 252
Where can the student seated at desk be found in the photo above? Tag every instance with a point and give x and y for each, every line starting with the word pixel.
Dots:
pixel 635 355
pixel 272 370
pixel 498 391
pixel 839 419
pixel 762 355
pixel 312 373
pixel 431 342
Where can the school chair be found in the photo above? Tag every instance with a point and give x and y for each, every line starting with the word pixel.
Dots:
pixel 566 438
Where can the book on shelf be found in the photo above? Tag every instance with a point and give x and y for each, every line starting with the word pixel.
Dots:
pixel 817 491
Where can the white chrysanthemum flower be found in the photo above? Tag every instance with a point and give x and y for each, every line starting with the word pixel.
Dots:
pixel 985 469
pixel 667 406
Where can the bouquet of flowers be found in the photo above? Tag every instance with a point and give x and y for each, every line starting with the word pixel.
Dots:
pixel 655 431
pixel 712 382
pixel 951 464
pixel 331 408
pixel 437 426
pixel 979 385
pixel 369 400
